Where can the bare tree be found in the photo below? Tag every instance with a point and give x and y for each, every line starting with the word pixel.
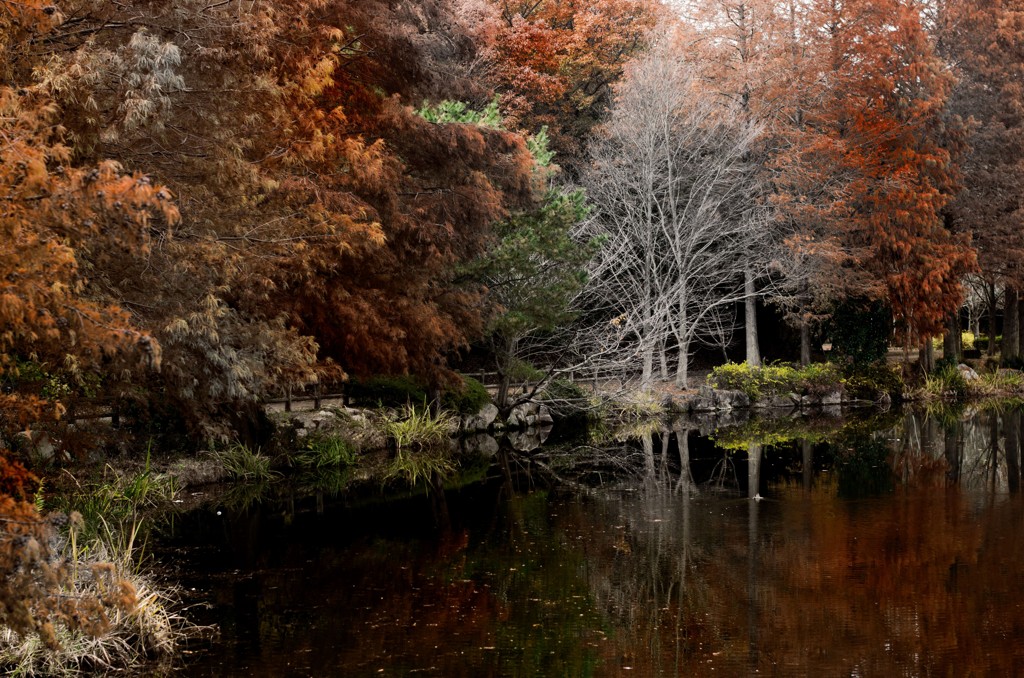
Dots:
pixel 675 204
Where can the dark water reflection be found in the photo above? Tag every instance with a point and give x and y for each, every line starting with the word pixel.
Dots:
pixel 892 547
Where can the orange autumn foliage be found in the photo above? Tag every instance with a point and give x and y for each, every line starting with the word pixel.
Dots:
pixel 554 62
pixel 860 150
pixel 53 216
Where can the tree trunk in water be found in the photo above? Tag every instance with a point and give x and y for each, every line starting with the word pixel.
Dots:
pixel 1011 324
pixel 753 484
pixel 952 452
pixel 648 444
pixel 1012 424
pixel 805 343
pixel 750 307
pixel 683 443
pixel 951 340
pixel 807 452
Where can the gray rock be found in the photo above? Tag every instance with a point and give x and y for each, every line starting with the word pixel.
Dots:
pixel 704 401
pixel 783 401
pixel 832 398
pixel 519 416
pixel 710 400
pixel 482 420
pixel 731 400
pixel 967 373
pixel 544 417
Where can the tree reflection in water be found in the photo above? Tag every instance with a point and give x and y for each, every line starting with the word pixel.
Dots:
pixel 888 547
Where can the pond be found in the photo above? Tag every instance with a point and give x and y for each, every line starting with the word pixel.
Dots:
pixel 879 546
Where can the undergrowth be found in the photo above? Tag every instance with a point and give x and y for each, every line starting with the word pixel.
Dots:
pixel 102 547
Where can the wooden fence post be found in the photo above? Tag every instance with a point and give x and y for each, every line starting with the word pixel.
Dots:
pixel 288 398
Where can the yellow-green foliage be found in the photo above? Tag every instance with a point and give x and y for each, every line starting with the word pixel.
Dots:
pixel 759 382
pixel 966 341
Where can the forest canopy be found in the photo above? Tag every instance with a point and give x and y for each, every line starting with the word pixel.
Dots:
pixel 207 204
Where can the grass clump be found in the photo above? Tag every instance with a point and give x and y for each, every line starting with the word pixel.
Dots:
pixel 242 463
pixel 111 509
pixel 1001 382
pixel 139 625
pixel 324 452
pixel 418 428
pixel 946 381
pixel 122 619
pixel 421 442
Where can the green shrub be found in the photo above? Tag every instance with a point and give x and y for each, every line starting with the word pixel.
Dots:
pixel 775 379
pixel 868 381
pixel 818 379
pixel 449 111
pixel 469 397
pixel 421 444
pixel 520 370
pixel 861 330
pixel 567 401
pixel 388 391
pixel 754 381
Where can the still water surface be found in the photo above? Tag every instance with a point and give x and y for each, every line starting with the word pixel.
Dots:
pixel 890 547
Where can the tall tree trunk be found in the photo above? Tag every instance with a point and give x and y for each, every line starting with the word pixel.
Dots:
pixel 648 373
pixel 805 343
pixel 682 327
pixel 951 340
pixel 926 356
pixel 683 368
pixel 992 327
pixel 663 360
pixel 505 350
pixel 750 307
pixel 1011 324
